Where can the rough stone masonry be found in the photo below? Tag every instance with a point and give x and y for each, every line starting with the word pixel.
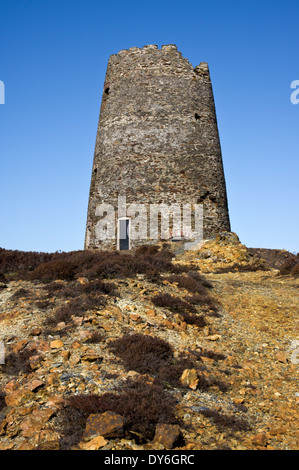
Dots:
pixel 157 143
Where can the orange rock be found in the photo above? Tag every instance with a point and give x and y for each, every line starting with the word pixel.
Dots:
pixel 95 444
pixel 34 385
pixel 19 345
pixel 36 421
pixel 189 378
pixel 134 316
pixel 239 401
pixel 281 356
pixel 19 397
pixel 11 386
pixel 108 424
pixel 56 344
pixel 151 312
pixel 65 355
pixel 166 434
pixel 259 440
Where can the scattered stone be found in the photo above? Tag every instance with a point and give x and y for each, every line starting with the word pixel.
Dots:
pixel 259 440
pixel 35 422
pixel 56 344
pixel 35 332
pixel 83 280
pixel 281 357
pixel 214 337
pixel 19 397
pixel 35 385
pixel 94 444
pixel 108 424
pixel 189 378
pixel 167 434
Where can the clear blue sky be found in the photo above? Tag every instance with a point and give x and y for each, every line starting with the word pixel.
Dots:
pixel 53 59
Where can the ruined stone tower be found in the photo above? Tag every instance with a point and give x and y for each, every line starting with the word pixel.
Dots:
pixel 157 143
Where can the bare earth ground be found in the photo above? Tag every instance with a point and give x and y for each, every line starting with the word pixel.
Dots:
pixel 256 334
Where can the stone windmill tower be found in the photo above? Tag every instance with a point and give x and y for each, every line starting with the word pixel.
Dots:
pixel 157 144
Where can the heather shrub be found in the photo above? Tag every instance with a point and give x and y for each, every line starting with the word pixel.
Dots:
pixel 47 267
pixel 55 269
pixel 21 293
pixel 207 353
pixel 77 307
pixel 12 261
pixel 74 289
pixel 224 422
pixel 189 283
pixel 154 356
pixel 199 278
pixel 141 405
pixel 289 266
pixel 2 400
pixel 43 304
pixel 295 270
pixel 173 303
pixel 98 286
pixel 183 308
pixel 154 251
pixel 202 300
pixel 141 353
pixel 95 338
pixel 16 363
pixel 153 276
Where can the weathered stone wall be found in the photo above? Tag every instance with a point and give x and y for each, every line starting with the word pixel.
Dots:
pixel 157 138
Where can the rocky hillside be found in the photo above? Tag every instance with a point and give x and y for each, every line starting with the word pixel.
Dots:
pixel 148 350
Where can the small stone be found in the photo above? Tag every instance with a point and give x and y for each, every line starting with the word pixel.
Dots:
pixel 19 397
pixel 36 332
pixel 259 440
pixel 206 331
pixel 19 345
pixel 108 424
pixel 35 385
pixel 239 401
pixel 95 444
pixel 83 280
pixel 11 386
pixel 56 344
pixel 134 316
pixel 214 337
pixel 92 357
pixel 281 357
pixel 276 430
pixel 65 355
pixel 167 434
pixel 36 421
pixel 151 312
pixel 189 378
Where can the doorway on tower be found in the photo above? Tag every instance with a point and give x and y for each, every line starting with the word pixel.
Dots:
pixel 123 238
